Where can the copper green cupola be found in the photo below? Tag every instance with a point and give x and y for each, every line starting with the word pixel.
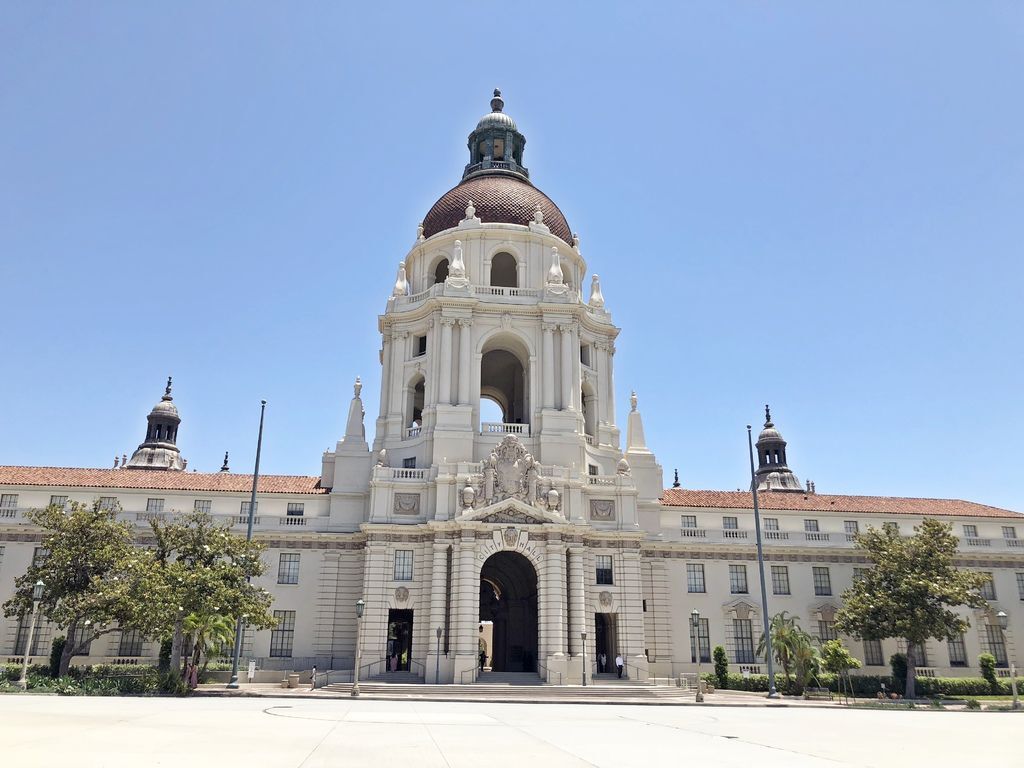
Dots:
pixel 496 145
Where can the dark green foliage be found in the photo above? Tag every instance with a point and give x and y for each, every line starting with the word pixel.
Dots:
pixel 721 666
pixel 987 662
pixel 973 704
pixel 898 665
pixel 868 686
pixel 56 651
pixel 165 654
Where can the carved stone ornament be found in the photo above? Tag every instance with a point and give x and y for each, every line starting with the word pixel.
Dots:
pixel 511 536
pixel 407 504
pixel 402 594
pixel 605 598
pixel 511 516
pixel 602 509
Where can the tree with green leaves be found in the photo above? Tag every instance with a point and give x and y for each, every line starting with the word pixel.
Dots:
pixel 204 570
pixel 783 630
pixel 95 577
pixel 911 591
pixel 205 632
pixel 837 659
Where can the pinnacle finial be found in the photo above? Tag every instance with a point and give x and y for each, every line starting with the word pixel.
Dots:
pixel 767 415
pixel 224 466
pixel 497 103
pixel 167 389
pixel 675 482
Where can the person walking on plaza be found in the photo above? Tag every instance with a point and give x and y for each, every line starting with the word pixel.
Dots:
pixel 312 679
pixel 619 663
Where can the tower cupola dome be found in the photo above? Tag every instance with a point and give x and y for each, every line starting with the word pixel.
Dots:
pixel 773 474
pixel 160 450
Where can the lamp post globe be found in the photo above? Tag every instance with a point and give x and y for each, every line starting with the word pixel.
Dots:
pixel 37 591
pixel 1004 619
pixel 1004 623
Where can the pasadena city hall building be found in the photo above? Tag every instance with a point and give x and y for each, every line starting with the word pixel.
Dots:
pixel 543 538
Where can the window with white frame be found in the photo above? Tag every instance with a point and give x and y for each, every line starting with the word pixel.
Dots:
pixel 604 570
pixel 988 589
pixel 296 509
pixel 995 643
pixel 827 631
pixel 108 503
pixel 58 501
pixel 702 640
pixel 154 506
pixel 771 523
pixel 743 639
pixel 1009 532
pixel 957 652
pixel 245 506
pixel 738 579
pixel 8 501
pixel 288 568
pixel 202 505
pixel 283 635
pixel 811 526
pixel 873 656
pixel 695 577
pixel 130 643
pixel 730 523
pixel 403 565
pixel 970 531
pixel 780 579
pixel 40 639
pixel 687 521
pixel 409 463
pixel 822 581
pixel 851 527
pixel 82 638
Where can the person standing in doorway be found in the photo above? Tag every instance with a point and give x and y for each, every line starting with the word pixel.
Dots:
pixel 602 662
pixel 619 663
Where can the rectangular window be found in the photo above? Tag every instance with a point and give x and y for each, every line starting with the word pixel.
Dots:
pixel 780 579
pixel 996 643
pixel 154 506
pixel 827 631
pixel 738 579
pixel 585 354
pixel 970 531
pixel 957 652
pixel 288 568
pixel 771 523
pixel 988 589
pixel 1020 585
pixel 851 527
pixel 108 503
pixel 730 523
pixel 403 565
pixel 244 508
pixel 40 640
pixel 604 569
pixel 695 577
pixel 687 521
pixel 701 641
pixel 130 643
pixel 593 470
pixel 58 501
pixel 39 555
pixel 409 463
pixel 1009 532
pixel 920 655
pixel 420 346
pixel 811 526
pixel 296 509
pixel 822 581
pixel 82 637
pixel 8 501
pixel 743 634
pixel 202 505
pixel 873 653
pixel 282 637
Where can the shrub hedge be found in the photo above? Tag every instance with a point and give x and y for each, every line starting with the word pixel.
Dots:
pixel 870 685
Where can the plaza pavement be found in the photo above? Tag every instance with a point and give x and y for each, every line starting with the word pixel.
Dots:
pixel 290 732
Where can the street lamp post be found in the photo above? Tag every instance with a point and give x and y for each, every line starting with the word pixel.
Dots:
pixel 695 623
pixel 583 637
pixel 437 666
pixel 360 604
pixel 1004 622
pixel 37 595
pixel 772 693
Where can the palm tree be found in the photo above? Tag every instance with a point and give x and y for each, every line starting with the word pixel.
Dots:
pixel 806 659
pixel 784 631
pixel 207 631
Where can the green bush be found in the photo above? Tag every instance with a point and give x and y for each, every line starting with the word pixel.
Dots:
pixel 721 666
pixel 56 651
pixel 12 672
pixel 165 654
pixel 987 662
pixel 868 686
pixel 973 704
pixel 898 664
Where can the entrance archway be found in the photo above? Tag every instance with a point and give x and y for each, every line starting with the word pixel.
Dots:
pixel 508 598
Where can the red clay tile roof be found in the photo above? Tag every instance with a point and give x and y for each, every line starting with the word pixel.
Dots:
pixel 73 477
pixel 821 502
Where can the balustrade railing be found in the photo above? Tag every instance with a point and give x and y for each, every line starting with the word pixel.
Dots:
pixel 291 520
pixel 732 533
pixel 973 541
pixel 816 536
pixel 776 535
pixel 501 428
pixel 411 432
pixel 693 533
pixel 403 473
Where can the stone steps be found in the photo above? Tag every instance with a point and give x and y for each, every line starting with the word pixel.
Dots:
pixel 505 691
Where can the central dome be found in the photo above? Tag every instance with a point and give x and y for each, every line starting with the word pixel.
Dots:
pixel 498 198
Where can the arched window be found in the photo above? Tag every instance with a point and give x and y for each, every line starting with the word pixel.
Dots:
pixel 588 399
pixel 441 271
pixel 503 271
pixel 504 381
pixel 414 396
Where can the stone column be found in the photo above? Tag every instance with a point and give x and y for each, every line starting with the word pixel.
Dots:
pixel 465 359
pixel 396 386
pixel 438 592
pixel 469 599
pixel 547 366
pixel 600 363
pixel 554 603
pixel 385 359
pixel 577 369
pixel 610 397
pixel 631 620
pixel 444 392
pixel 567 367
pixel 577 603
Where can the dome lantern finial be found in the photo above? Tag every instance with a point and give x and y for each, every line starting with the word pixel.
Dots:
pixel 767 416
pixel 167 390
pixel 497 103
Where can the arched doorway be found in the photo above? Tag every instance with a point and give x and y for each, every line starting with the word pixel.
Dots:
pixel 508 598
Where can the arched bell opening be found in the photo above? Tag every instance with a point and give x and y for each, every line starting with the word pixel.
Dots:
pixel 414 399
pixel 588 398
pixel 505 381
pixel 508 598
pixel 441 271
pixel 504 271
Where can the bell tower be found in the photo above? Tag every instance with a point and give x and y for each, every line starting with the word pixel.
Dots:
pixel 160 449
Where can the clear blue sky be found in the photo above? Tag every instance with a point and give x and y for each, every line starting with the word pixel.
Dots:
pixel 816 205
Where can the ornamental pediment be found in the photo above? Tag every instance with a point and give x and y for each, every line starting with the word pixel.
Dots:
pixel 511 511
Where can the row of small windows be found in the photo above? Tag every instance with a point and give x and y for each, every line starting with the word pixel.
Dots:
pixel 129 644
pixel 504 271
pixel 9 501
pixel 811 525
